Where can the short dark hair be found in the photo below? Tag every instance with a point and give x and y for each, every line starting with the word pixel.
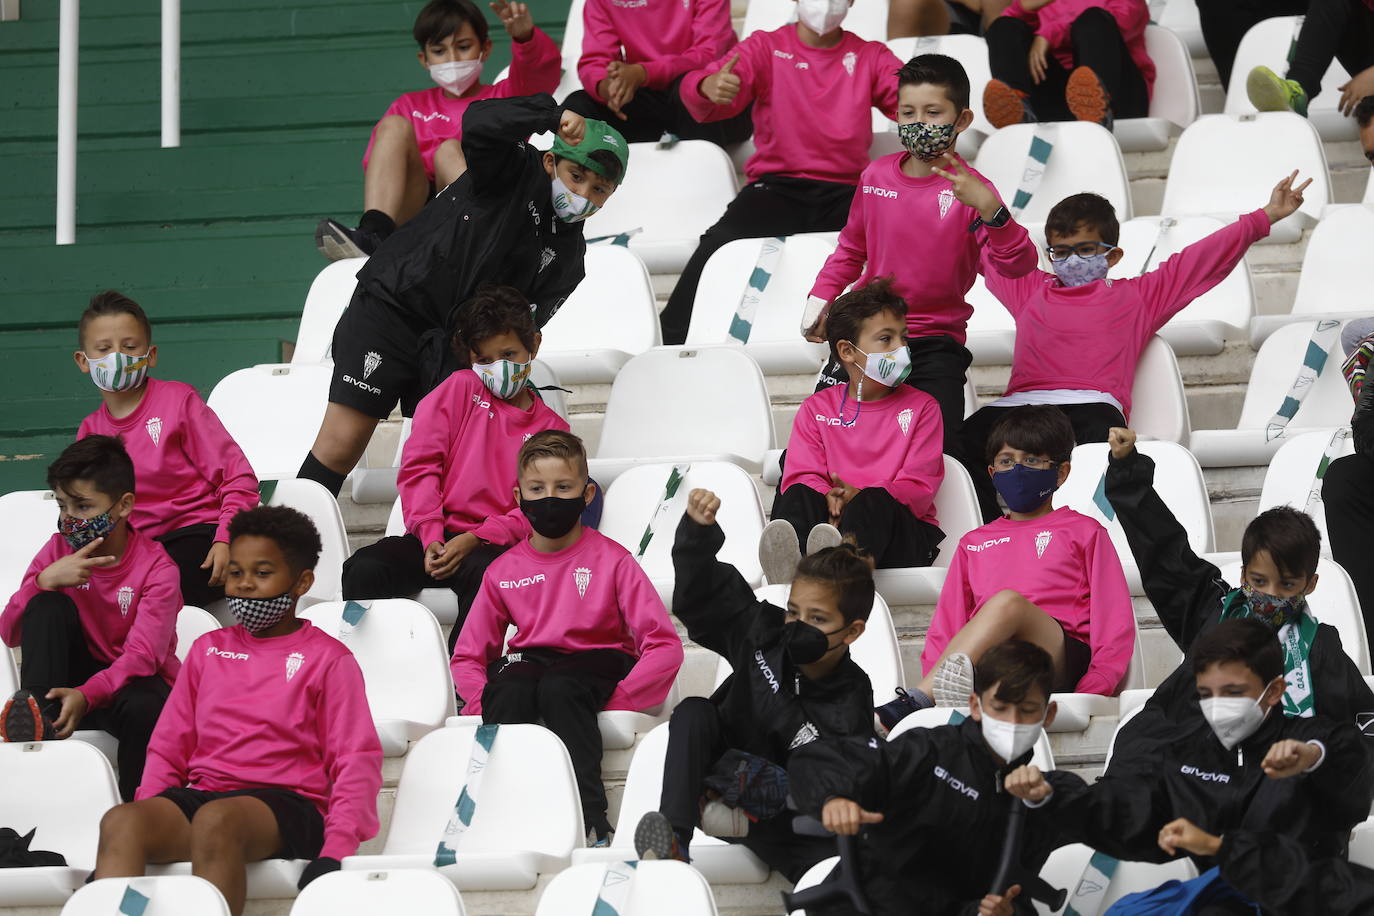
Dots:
pixel 1364 111
pixel 1015 668
pixel 553 443
pixel 111 302
pixel 101 460
pixel 605 160
pixel 493 310
pixel 1040 429
pixel 846 570
pixel 1086 211
pixel 293 532
pixel 441 18
pixel 937 70
pixel 1245 640
pixel 849 312
pixel 1289 537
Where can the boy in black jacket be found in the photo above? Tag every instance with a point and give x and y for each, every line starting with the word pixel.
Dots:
pixel 514 218
pixel 934 796
pixel 793 681
pixel 1279 553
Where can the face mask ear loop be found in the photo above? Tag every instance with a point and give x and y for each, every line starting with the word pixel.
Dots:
pixel 858 405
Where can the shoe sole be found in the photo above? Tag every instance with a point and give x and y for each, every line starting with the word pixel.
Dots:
pixel 654 837
pixel 1266 90
pixel 779 552
pixel 21 720
pixel 823 536
pixel 1086 97
pixel 334 243
pixel 720 820
pixel 953 681
pixel 1002 106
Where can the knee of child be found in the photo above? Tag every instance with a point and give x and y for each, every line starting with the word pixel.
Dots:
pixel 692 709
pixel 1091 17
pixel 121 827
pixel 1008 603
pixel 215 829
pixel 45 603
pixel 396 127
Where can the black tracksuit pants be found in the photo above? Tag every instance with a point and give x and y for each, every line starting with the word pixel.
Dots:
pixel 1340 29
pixel 654 112
pixel 187 547
pixel 884 527
pixel 1348 495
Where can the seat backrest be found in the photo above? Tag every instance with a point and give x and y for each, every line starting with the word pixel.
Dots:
pixel 1159 402
pixel 192 624
pixel 633 498
pixel 1291 479
pixel 528 799
pixel 665 888
pixel 969 50
pixel 866 18
pixel 366 893
pixel 1267 43
pixel 63 788
pixel 273 411
pixel 319 505
pixel 611 309
pixel 1174 96
pixel 1280 358
pixel 1085 157
pixel 167 895
pixel 1332 277
pixel 9 672
pixel 704 381
pixel 1333 602
pixel 1224 164
pixel 541 376
pixel 1369 189
pixel 936 716
pixel 956 506
pixel 573 32
pixel 1064 869
pixel 29 518
pixel 329 295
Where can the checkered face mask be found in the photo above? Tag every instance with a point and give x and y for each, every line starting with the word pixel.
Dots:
pixel 258 614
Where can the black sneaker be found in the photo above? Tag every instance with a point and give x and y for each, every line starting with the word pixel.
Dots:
pixel 904 704
pixel 336 241
pixel 23 720
pixel 656 839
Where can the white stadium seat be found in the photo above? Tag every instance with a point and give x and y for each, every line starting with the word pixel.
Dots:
pixel 9 673
pixel 609 318
pixel 935 716
pixel 774 340
pixel 1268 43
pixel 401 890
pixel 656 889
pixel 991 329
pixel 573 32
pixel 1064 869
pixel 192 624
pixel 1362 844
pixel 527 820
pixel 275 440
pixel 718 411
pixel 329 295
pixel 1291 479
pixel 1327 403
pixel 1159 402
pixel 1331 279
pixel 62 788
pixel 1085 157
pixel 404 660
pixel 1181 17
pixel 956 508
pixel 178 895
pixel 1369 189
pixel 319 505
pixel 672 196
pixel 619 727
pixel 866 18
pixel 1205 177
pixel 1174 102
pixel 30 520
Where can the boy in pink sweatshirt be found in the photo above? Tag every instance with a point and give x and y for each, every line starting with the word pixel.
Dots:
pixel 1079 334
pixel 416 147
pixel 267 747
pixel 591 631
pixel 456 480
pixel 634 56
pixel 865 458
pixel 1045 575
pixel 813 87
pixel 192 476
pixel 95 617
pixel 1067 60
pixel 926 199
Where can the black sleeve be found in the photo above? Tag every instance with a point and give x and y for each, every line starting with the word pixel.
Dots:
pixel 1341 782
pixel 1362 422
pixel 1185 589
pixel 1274 871
pixel 493 127
pixel 710 597
pixel 1342 695
pixel 548 296
pixel 861 770
pixel 1118 815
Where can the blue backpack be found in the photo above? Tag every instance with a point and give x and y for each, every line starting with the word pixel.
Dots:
pixel 1179 898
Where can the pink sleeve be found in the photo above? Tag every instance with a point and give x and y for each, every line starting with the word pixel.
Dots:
pixel 1171 286
pixel 846 262
pixel 12 620
pixel 150 639
pixel 1019 12
pixel 753 77
pixel 501 530
pixel 1111 619
pixel 924 467
pixel 656 641
pixel 952 611
pixel 1053 22
pixel 479 643
pixel 536 65
pixel 712 35
pixel 174 738
pixel 600 45
pixel 1008 251
pixel 806 462
pixel 423 458
pixel 1012 291
pixel 352 759
pixel 217 457
pixel 885 82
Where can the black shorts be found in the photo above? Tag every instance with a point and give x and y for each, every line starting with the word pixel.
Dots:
pixel 298 820
pixel 1078 655
pixel 376 358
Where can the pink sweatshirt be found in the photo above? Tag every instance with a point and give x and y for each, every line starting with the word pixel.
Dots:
pixel 894 215
pixel 536 66
pixel 458 466
pixel 812 106
pixel 897 443
pixel 188 470
pixel 668 38
pixel 128 614
pixel 592 595
pixel 1054 20
pixel 289 712
pixel 1065 564
pixel 1090 337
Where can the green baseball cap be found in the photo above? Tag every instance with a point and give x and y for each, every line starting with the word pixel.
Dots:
pixel 598 136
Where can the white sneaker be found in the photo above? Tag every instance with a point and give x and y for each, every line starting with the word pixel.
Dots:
pixel 720 820
pixel 953 681
pixel 822 536
pixel 779 552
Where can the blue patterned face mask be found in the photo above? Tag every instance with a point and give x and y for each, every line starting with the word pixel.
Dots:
pixel 1076 270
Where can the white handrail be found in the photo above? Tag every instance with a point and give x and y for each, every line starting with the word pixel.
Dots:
pixel 171 73
pixel 68 33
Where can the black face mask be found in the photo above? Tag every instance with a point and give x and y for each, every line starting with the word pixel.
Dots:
pixel 553 516
pixel 804 643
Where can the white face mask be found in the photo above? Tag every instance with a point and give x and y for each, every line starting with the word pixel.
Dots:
pixel 118 371
pixel 456 75
pixel 1233 719
pixel 1009 740
pixel 570 207
pixel 822 16
pixel 887 369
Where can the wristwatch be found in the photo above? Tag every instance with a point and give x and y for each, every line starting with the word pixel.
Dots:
pixel 999 219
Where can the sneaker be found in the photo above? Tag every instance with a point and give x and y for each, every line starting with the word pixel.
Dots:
pixel 779 552
pixel 336 241
pixel 1270 92
pixel 904 704
pixel 1087 98
pixel 821 537
pixel 656 839
pixel 953 681
pixel 23 720
pixel 720 820
pixel 599 839
pixel 1004 105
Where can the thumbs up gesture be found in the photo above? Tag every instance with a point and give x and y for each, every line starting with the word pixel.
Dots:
pixel 722 86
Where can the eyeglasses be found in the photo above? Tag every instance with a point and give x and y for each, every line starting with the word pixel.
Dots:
pixel 1034 462
pixel 1082 249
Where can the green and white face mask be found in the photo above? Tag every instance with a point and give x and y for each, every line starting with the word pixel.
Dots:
pixel 504 378
pixel 118 371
